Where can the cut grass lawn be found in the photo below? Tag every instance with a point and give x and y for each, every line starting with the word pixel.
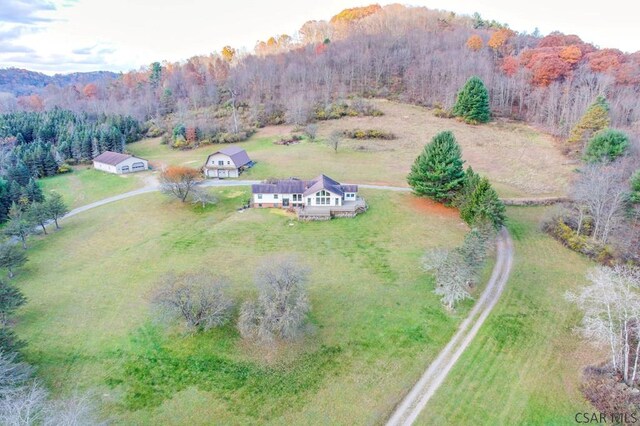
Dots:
pixel 86 185
pixel 376 320
pixel 519 160
pixel 524 365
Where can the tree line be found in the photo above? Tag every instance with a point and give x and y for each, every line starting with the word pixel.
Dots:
pixel 409 54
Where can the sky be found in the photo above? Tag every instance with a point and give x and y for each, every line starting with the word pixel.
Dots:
pixel 60 36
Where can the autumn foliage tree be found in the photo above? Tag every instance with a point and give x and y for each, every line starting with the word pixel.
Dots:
pixel 179 181
pixel 228 53
pixel 596 118
pixel 90 90
pixel 474 43
pixel 499 39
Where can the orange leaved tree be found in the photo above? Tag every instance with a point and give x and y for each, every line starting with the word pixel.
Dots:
pixel 179 181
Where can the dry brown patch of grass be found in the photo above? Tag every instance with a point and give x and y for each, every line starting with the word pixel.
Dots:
pixel 518 159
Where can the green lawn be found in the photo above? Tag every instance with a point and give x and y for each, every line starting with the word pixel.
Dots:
pixel 85 185
pixel 376 321
pixel 524 366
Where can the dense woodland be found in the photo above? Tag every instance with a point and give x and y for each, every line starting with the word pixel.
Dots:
pixel 410 54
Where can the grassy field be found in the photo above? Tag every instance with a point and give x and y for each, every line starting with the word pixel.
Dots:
pixel 524 365
pixel 86 185
pixel 376 321
pixel 519 160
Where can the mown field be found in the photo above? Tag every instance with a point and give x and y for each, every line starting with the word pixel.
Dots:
pixel 524 366
pixel 85 185
pixel 519 160
pixel 376 321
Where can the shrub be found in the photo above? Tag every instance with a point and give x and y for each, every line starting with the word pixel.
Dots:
pixel 634 197
pixel 606 145
pixel 311 131
pixel 558 228
pixel 64 168
pixel 289 140
pixel 368 134
pixel 608 395
pixel 341 109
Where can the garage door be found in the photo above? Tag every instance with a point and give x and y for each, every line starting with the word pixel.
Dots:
pixel 138 166
pixel 125 169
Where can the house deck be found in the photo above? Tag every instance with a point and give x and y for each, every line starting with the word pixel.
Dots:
pixel 348 209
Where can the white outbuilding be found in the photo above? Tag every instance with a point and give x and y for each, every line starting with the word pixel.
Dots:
pixel 115 162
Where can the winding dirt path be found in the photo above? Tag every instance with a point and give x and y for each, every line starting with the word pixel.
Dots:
pixel 414 402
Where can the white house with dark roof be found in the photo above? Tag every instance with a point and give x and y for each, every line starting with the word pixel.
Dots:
pixel 228 162
pixel 319 198
pixel 115 162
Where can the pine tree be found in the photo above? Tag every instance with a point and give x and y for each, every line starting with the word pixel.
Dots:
pixel 18 225
pixel 33 192
pixel 484 206
pixel 437 172
pixel 634 197
pixel 606 145
pixel 11 256
pixel 471 180
pixel 472 103
pixel 596 118
pixel 50 164
pixel 38 214
pixel 56 208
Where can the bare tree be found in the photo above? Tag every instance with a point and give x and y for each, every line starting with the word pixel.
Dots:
pixel 311 130
pixel 334 140
pixel 197 298
pixel 77 410
pixel 179 181
pixel 23 405
pixel 601 193
pixel 611 307
pixel 283 304
pixel 457 270
pixel 13 373
pixel 199 196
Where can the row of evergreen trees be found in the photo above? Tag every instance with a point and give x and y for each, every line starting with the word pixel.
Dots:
pixel 438 173
pixel 42 138
pixel 36 144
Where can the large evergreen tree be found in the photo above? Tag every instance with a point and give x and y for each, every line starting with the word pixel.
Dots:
pixel 437 172
pixel 472 103
pixel 483 206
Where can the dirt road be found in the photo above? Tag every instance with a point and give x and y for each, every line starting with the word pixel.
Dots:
pixel 414 402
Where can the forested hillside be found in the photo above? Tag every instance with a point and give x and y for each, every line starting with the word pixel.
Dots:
pixel 410 54
pixel 24 82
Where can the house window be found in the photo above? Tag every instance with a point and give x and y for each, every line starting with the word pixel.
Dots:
pixel 323 198
pixel 220 163
pixel 275 196
pixel 259 196
pixel 228 162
